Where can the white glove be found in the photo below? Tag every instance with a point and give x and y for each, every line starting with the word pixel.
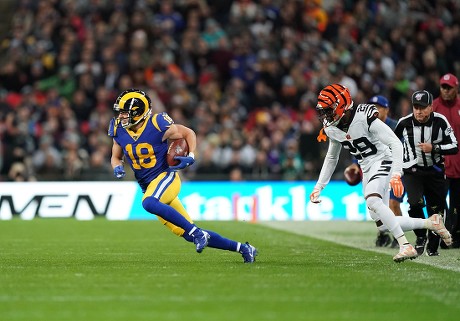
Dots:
pixel 314 196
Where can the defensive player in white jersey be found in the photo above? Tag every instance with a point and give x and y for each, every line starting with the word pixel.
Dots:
pixel 379 153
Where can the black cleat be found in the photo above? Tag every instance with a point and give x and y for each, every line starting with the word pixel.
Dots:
pixel 420 245
pixel 429 253
pixel 394 244
pixel 383 239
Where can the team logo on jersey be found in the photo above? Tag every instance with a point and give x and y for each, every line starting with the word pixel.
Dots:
pixel 348 137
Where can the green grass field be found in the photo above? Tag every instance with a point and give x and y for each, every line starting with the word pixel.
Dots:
pixel 63 269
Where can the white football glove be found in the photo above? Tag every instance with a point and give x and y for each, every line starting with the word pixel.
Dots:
pixel 314 196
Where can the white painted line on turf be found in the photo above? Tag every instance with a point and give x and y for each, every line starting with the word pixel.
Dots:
pixel 362 235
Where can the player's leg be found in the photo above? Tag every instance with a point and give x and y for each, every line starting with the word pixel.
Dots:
pixel 434 223
pixel 376 194
pixel 417 221
pixel 395 206
pixel 454 209
pixel 384 237
pixel 376 184
pixel 435 196
pixel 406 223
pixel 160 192
pixel 383 216
pixel 413 183
pixel 215 241
pixel 395 203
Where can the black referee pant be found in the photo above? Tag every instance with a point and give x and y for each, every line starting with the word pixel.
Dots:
pixel 453 220
pixel 426 186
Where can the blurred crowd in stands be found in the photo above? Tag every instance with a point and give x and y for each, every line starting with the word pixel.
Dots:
pixel 243 74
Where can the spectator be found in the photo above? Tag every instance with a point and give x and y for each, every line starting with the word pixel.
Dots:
pixel 19 173
pixel 98 169
pixel 17 139
pixel 448 104
pixel 236 174
pixel 290 46
pixel 47 160
pixel 212 33
pixel 64 82
pixel 291 162
pixel 169 20
pixel 206 168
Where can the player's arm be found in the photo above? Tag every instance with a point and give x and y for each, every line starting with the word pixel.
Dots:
pixel 449 144
pixel 176 131
pixel 117 155
pixel 389 138
pixel 117 160
pixel 330 163
pixel 328 168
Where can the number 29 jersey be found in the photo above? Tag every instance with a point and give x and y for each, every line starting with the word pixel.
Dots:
pixel 367 137
pixel 144 150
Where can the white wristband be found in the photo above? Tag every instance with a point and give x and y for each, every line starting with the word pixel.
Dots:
pixel 191 155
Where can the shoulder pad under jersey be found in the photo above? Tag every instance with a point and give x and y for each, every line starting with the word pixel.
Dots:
pixel 369 111
pixel 162 121
pixel 112 132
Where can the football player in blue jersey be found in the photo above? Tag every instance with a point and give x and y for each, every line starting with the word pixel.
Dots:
pixel 141 139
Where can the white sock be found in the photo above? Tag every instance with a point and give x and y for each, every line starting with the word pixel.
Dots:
pixel 238 246
pixel 402 240
pixel 385 215
pixel 192 230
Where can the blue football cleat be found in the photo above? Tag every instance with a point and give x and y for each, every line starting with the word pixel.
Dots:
pixel 200 238
pixel 248 252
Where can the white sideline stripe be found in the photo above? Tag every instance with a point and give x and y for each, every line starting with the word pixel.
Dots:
pixel 362 235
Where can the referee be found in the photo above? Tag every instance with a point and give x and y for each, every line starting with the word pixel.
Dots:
pixel 426 137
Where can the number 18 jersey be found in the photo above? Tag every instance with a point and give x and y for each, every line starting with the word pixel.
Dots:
pixel 144 150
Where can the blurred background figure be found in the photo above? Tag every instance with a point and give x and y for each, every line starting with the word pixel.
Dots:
pixel 246 69
pixel 448 104
pixel 383 106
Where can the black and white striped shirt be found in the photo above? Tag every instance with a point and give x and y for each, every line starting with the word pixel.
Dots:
pixel 436 131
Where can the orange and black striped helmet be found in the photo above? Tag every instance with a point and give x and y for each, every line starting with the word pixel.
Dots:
pixel 333 101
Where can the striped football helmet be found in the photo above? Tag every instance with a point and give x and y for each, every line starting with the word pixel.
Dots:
pixel 333 101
